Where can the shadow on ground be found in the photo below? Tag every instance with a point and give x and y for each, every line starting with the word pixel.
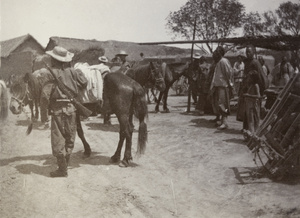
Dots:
pixel 47 162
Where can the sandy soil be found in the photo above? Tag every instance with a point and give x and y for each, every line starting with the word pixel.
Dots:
pixel 190 169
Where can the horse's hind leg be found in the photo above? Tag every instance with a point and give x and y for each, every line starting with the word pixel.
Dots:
pixel 127 131
pixel 87 148
pixel 165 98
pixel 117 156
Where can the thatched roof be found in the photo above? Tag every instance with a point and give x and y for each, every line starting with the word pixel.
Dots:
pixel 74 45
pixel 9 46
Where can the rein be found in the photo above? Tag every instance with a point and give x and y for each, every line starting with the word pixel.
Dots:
pixel 21 101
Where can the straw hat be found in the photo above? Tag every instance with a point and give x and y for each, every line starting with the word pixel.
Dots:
pixel 103 59
pixel 60 54
pixel 122 53
pixel 196 56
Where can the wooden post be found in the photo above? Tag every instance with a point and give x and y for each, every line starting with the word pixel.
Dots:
pixel 192 52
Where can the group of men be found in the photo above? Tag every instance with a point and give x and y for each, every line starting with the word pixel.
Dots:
pixel 216 84
pixel 212 88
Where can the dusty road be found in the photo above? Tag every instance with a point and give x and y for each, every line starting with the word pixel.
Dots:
pixel 190 169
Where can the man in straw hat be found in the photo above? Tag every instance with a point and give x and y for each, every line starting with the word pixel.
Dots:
pixel 124 64
pixel 103 68
pixel 63 121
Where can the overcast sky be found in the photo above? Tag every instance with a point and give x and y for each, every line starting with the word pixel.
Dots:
pixel 122 20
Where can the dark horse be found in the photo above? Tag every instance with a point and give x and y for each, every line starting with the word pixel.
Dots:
pixel 124 97
pixel 170 73
pixel 29 89
pixel 148 74
pixel 21 96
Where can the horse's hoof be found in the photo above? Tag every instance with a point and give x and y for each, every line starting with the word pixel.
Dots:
pixel 125 163
pixel 114 159
pixel 86 154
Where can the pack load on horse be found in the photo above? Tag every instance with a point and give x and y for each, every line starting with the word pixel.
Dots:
pixel 92 95
pixel 3 101
pixel 276 142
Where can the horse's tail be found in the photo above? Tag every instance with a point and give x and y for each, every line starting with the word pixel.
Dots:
pixel 3 101
pixel 141 112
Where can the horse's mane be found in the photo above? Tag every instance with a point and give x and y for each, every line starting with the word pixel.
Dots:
pixel 37 80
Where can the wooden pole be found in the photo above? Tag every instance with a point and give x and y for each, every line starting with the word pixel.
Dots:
pixel 192 52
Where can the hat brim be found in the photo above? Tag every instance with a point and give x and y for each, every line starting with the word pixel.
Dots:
pixel 122 54
pixel 196 57
pixel 101 60
pixel 68 58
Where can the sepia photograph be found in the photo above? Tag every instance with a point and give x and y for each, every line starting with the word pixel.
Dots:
pixel 155 109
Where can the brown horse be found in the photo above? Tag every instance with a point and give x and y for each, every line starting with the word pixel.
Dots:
pixel 124 97
pixel 148 74
pixel 21 96
pixel 171 73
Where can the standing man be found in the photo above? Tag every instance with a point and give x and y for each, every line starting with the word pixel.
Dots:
pixel 238 70
pixel 194 72
pixel 102 67
pixel 63 121
pixel 251 64
pixel 124 64
pixel 220 86
pixel 202 104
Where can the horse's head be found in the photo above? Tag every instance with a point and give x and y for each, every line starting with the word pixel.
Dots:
pixel 19 94
pixel 157 76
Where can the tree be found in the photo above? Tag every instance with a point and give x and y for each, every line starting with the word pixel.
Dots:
pixel 288 14
pixel 253 24
pixel 211 19
pixel 284 21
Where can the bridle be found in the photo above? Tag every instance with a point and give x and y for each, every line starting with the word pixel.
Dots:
pixel 154 76
pixel 21 101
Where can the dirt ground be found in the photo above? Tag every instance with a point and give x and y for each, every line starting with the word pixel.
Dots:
pixel 190 169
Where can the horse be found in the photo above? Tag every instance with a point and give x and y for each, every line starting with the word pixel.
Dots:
pixel 125 97
pixel 3 101
pixel 171 73
pixel 149 75
pixel 30 87
pixel 20 96
pixel 146 75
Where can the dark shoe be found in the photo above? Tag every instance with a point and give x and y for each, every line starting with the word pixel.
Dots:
pixel 218 123
pixel 59 173
pixel 222 127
